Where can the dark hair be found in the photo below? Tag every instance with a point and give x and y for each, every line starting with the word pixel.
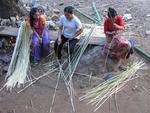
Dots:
pixel 69 9
pixel 112 13
pixel 32 12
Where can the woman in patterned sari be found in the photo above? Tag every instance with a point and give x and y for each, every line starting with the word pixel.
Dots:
pixel 117 46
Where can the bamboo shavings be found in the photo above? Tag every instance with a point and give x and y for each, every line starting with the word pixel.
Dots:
pixel 101 93
pixel 19 66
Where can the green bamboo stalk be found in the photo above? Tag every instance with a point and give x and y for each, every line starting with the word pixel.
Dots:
pixel 142 52
pixel 87 16
pixel 96 11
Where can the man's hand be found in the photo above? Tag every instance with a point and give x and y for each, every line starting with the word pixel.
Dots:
pixel 71 38
pixel 59 41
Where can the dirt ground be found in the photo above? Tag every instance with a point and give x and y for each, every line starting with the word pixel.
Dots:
pixel 134 98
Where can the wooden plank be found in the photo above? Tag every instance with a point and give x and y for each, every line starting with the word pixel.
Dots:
pixel 98 35
pixel 8 31
pixel 13 32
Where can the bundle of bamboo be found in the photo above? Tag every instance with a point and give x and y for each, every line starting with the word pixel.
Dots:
pixel 101 93
pixel 73 62
pixel 19 66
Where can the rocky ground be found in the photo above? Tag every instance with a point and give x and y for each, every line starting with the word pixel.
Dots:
pixel 134 98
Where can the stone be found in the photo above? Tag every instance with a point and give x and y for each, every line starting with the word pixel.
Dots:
pixel 55 17
pixel 1 69
pixel 147 19
pixel 76 4
pixel 82 1
pixel 28 8
pixel 47 8
pixel 61 3
pixel 5 42
pixel 51 25
pixel 128 11
pixel 13 19
pixel 57 11
pixel 148 32
pixel 5 22
pixel 1 44
pixel 5 59
pixel 148 15
pixel 48 18
pixel 1 99
pixel 10 111
pixel 5 68
pixel 92 13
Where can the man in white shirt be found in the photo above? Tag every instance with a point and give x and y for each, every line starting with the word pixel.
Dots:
pixel 70 29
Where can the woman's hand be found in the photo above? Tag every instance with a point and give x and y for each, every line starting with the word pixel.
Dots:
pixel 116 26
pixel 40 40
pixel 110 33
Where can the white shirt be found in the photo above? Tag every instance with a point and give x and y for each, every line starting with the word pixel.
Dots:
pixel 70 27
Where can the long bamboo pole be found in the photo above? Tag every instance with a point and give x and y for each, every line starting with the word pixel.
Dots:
pixel 87 16
pixel 142 52
pixel 96 11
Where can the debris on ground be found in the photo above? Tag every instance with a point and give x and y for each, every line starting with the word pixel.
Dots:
pixel 127 17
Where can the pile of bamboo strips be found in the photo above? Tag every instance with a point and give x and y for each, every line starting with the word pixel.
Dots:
pixel 101 93
pixel 73 61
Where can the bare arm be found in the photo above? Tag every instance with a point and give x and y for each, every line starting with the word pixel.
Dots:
pixel 59 34
pixel 121 24
pixel 78 33
pixel 39 38
pixel 43 27
pixel 119 27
